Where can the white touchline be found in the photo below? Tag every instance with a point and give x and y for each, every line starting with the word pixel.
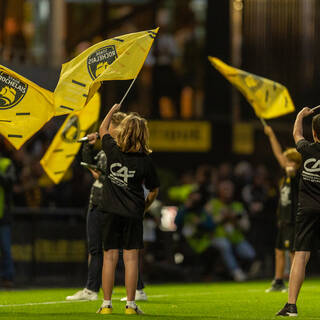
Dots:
pixel 38 303
pixel 58 302
pixel 117 298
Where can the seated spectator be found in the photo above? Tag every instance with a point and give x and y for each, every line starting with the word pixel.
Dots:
pixel 231 222
pixel 196 226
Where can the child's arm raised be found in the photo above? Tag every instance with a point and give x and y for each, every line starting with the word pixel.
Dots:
pixel 275 145
pixel 104 127
pixel 298 124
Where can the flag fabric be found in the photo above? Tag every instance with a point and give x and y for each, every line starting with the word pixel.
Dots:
pixel 64 146
pixel 268 98
pixel 24 107
pixel 119 58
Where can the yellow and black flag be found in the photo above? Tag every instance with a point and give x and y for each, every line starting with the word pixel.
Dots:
pixel 64 146
pixel 119 58
pixel 268 98
pixel 24 107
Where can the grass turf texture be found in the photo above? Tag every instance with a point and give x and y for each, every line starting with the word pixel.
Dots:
pixel 189 301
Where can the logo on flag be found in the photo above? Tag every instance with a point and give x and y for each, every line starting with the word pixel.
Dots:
pixel 12 91
pixel 71 131
pixel 99 60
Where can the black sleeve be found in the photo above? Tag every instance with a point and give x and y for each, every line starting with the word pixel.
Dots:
pixel 151 177
pixel 88 153
pixel 303 146
pixel 108 144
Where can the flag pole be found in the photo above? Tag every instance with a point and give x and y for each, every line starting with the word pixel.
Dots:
pixel 132 82
pixel 315 108
pixel 263 122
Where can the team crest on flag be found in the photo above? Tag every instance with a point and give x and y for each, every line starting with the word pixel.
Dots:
pixel 71 131
pixel 99 60
pixel 12 91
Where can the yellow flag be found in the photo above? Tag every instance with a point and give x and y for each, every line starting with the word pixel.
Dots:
pixel 64 146
pixel 24 107
pixel 268 98
pixel 119 58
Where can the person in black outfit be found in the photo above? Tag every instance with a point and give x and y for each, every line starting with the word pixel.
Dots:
pixel 308 216
pixel 94 237
pixel 7 178
pixel 290 162
pixel 123 203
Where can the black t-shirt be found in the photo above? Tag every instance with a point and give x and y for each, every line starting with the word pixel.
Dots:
pixel 288 200
pixel 126 172
pixel 309 188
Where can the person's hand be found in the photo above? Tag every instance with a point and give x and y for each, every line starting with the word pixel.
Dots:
pixel 96 174
pixel 268 130
pixel 116 107
pixel 305 112
pixel 92 137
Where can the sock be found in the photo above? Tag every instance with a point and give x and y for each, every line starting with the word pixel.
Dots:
pixel 279 281
pixel 106 303
pixel 131 304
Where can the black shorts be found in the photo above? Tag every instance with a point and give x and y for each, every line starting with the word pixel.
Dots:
pixel 285 237
pixel 121 232
pixel 307 230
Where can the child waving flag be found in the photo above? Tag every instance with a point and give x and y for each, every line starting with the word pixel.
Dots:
pixel 123 203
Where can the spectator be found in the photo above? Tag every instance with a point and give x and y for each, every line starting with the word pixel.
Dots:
pixel 196 227
pixel 7 177
pixel 232 221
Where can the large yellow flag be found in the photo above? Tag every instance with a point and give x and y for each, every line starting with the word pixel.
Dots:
pixel 24 107
pixel 64 146
pixel 119 58
pixel 269 99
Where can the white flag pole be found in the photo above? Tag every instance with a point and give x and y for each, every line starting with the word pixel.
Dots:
pixel 132 82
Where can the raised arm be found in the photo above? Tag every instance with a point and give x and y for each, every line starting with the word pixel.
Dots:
pixel 275 145
pixel 104 127
pixel 298 124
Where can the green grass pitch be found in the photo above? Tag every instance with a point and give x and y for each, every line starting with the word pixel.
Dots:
pixel 173 301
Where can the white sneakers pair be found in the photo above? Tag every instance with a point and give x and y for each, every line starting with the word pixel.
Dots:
pixel 89 295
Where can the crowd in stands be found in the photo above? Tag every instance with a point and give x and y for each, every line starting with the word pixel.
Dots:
pixel 224 217
pixel 226 220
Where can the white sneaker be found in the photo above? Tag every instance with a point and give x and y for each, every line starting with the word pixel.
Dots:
pixel 239 275
pixel 140 296
pixel 84 294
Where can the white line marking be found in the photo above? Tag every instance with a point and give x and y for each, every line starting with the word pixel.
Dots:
pixel 38 303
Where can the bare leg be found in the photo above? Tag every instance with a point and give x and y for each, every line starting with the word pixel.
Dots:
pixel 110 260
pixel 297 274
pixel 291 257
pixel 131 258
pixel 280 263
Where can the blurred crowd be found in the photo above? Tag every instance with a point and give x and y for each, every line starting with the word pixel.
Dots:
pixel 214 221
pixel 224 222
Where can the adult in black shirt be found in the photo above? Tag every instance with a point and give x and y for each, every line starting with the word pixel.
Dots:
pixel 123 203
pixel 308 216
pixel 290 161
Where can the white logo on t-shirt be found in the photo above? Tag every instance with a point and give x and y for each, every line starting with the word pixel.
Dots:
pixel 120 174
pixel 312 165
